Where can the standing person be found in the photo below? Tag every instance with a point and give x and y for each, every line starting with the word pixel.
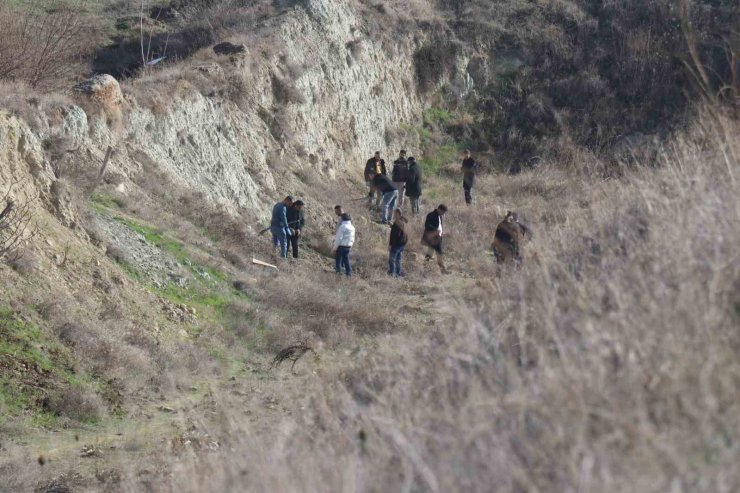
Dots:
pixel 396 244
pixel 385 186
pixel 296 221
pixel 279 225
pixel 400 174
pixel 376 165
pixel 343 242
pixel 433 234
pixel 469 167
pixel 413 185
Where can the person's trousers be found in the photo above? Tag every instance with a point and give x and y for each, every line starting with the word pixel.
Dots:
pixel 415 204
pixel 389 202
pixel 294 245
pixel 394 261
pixel 431 251
pixel 280 239
pixel 401 186
pixel 372 194
pixel 468 188
pixel 342 258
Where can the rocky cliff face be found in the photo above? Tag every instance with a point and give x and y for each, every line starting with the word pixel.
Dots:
pixel 319 98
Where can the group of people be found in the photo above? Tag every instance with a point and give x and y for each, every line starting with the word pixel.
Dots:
pixel 387 192
pixel 433 232
pixel 386 195
pixel 405 180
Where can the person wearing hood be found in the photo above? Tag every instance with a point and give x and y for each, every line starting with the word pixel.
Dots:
pixel 413 185
pixel 343 242
pixel 279 225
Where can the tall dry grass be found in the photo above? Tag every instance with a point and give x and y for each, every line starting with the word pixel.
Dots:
pixel 607 363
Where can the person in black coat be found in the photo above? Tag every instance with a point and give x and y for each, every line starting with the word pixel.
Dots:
pixel 433 233
pixel 469 167
pixel 413 185
pixel 399 174
pixel 295 223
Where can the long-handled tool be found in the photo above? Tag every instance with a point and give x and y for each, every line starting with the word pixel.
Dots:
pixel 268 228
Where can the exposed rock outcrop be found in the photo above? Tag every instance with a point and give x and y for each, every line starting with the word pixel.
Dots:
pixel 311 104
pixel 103 89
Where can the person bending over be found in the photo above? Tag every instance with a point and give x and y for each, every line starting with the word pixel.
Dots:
pixel 433 233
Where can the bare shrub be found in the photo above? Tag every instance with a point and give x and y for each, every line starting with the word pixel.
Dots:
pixel 15 225
pixel 55 44
pixel 25 263
pixel 75 402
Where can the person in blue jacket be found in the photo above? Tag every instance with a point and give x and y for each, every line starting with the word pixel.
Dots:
pixel 279 225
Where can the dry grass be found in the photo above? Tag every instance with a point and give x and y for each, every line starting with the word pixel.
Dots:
pixel 607 363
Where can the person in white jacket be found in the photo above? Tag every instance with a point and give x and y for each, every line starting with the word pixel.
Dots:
pixel 343 242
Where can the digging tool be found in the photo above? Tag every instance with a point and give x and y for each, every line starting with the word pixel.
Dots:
pixel 268 228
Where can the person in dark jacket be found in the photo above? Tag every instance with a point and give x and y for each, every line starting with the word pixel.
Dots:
pixel 413 185
pixel 279 225
pixel 509 237
pixel 399 174
pixel 385 186
pixel 396 244
pixel 433 233
pixel 296 221
pixel 469 167
pixel 376 165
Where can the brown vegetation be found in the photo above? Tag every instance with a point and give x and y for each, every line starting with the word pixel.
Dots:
pixel 45 46
pixel 609 355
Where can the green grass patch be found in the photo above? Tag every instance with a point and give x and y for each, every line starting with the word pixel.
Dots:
pixel 436 159
pixel 102 202
pixel 194 295
pixel 31 363
pixel 157 238
pixel 436 116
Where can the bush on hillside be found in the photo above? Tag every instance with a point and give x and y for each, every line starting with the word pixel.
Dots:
pixel 44 47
